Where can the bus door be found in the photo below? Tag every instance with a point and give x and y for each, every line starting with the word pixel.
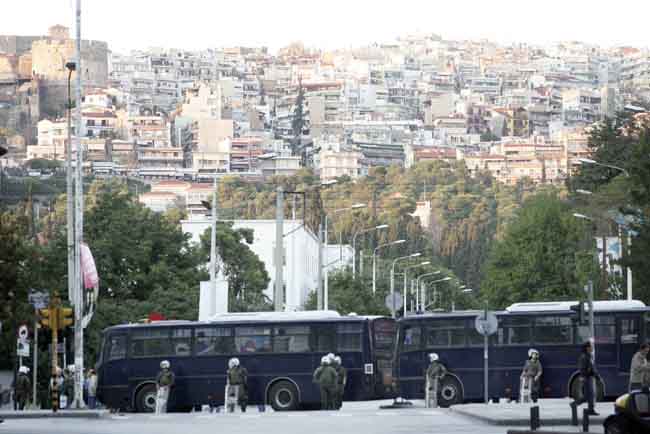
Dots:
pixel 628 338
pixel 384 332
pixel 113 371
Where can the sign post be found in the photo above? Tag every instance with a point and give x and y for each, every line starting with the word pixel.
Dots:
pixel 486 324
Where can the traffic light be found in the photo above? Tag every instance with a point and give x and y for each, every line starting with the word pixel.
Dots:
pixel 65 317
pixel 581 310
pixel 49 318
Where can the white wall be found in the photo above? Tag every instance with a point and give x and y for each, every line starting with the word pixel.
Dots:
pixel 301 255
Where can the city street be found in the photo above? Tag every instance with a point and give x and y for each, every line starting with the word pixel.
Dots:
pixel 355 418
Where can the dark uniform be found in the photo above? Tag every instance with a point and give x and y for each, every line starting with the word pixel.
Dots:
pixel 165 381
pixel 341 379
pixel 22 391
pixel 434 373
pixel 533 371
pixel 325 376
pixel 587 374
pixel 238 376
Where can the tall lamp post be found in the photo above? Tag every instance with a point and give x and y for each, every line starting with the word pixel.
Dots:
pixel 392 280
pixel 421 264
pixel 609 166
pixel 444 279
pixel 354 245
pixel 374 261
pixel 336 211
pixel 419 301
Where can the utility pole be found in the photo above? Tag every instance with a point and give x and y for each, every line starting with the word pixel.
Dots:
pixel 72 271
pixel 78 297
pixel 279 254
pixel 213 250
pixel 319 295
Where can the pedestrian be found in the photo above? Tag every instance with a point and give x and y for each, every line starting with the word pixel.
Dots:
pixel 164 382
pixel 587 374
pixel 640 368
pixel 531 375
pixel 23 388
pixel 238 377
pixel 325 377
pixel 92 389
pixel 434 373
pixel 68 387
pixel 341 380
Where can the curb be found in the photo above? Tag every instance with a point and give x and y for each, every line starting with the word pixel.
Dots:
pixel 542 432
pixel 548 421
pixel 51 415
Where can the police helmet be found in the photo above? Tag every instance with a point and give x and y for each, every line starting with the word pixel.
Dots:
pixel 433 357
pixel 325 360
pixel 23 370
pixel 233 362
pixel 165 364
pixel 533 352
pixel 337 360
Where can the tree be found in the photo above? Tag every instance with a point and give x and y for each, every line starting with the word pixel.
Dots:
pixel 348 295
pixel 544 255
pixel 247 277
pixel 144 260
pixel 17 254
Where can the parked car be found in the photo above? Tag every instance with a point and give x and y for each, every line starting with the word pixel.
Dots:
pixel 631 414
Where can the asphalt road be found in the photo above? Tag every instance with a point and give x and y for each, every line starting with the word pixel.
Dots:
pixel 355 418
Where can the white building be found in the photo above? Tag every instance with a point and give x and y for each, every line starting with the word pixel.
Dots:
pixel 301 255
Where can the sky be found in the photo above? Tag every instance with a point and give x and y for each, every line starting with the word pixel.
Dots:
pixel 329 24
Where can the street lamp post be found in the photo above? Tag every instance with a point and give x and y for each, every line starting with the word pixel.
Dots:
pixel 421 264
pixel 392 280
pixel 418 299
pixel 604 248
pixel 336 211
pixel 464 290
pixel 354 245
pixel 444 279
pixel 609 166
pixel 374 262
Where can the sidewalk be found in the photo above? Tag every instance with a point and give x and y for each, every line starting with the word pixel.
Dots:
pixel 552 412
pixel 39 414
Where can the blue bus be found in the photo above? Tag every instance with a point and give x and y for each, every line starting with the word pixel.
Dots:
pixel 552 328
pixel 279 350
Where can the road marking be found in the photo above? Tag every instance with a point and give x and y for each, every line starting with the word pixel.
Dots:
pixel 120 417
pixel 250 416
pixel 341 415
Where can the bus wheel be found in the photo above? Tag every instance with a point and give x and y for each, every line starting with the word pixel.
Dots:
pixel 576 389
pixel 145 401
pixel 283 396
pixel 451 392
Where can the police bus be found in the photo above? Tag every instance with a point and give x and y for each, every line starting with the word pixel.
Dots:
pixel 552 328
pixel 279 350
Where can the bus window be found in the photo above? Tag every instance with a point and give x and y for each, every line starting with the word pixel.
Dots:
pixel 348 337
pixel 445 333
pixel 553 330
pixel 412 338
pixel 291 339
pixel 323 338
pixel 253 339
pixel 516 331
pixel 629 331
pixel 150 343
pixel 181 342
pixel 116 348
pixel 214 340
pixel 605 329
